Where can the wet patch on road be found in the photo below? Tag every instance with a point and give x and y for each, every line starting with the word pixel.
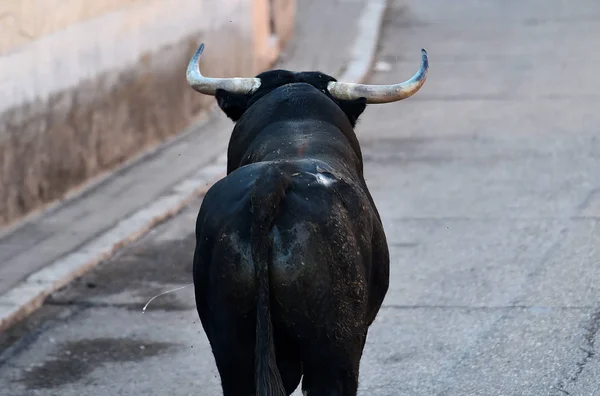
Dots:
pixel 135 275
pixel 407 150
pixel 471 149
pixel 17 338
pixel 75 360
pixel 169 302
pixel 168 262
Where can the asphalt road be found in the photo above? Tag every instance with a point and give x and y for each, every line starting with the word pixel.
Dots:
pixel 488 181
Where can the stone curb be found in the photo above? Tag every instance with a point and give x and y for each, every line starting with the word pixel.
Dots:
pixel 365 45
pixel 31 293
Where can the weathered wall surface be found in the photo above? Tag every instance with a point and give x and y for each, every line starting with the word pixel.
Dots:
pixel 86 85
pixel 25 20
pixel 283 11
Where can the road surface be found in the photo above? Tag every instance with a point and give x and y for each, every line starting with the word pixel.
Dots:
pixel 488 181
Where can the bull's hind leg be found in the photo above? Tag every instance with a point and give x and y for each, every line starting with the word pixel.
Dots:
pixel 232 342
pixel 233 345
pixel 291 373
pixel 237 375
pixel 288 363
pixel 331 367
pixel 237 378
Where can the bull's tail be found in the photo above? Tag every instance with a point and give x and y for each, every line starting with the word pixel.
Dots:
pixel 266 196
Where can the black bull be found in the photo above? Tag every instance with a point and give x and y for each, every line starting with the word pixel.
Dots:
pixel 291 264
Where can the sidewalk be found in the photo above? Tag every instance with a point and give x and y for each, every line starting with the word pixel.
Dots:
pixel 66 241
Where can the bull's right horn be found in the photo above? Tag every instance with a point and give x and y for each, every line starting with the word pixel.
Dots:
pixel 382 93
pixel 209 86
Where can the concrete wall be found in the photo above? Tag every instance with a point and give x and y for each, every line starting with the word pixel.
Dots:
pixel 84 85
pixel 283 11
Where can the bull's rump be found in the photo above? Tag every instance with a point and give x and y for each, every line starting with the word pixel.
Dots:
pixel 319 271
pixel 320 258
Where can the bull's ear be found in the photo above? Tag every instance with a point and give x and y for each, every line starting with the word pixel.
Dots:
pixel 233 104
pixel 353 108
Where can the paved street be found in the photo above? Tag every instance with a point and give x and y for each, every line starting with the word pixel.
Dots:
pixel 488 181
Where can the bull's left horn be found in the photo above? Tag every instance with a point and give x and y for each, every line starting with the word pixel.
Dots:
pixel 382 93
pixel 209 86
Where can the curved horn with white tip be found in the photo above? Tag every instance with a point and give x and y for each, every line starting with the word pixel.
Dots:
pixel 208 86
pixel 382 93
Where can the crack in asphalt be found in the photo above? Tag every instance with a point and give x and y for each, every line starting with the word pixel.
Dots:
pixel 589 338
pixel 534 308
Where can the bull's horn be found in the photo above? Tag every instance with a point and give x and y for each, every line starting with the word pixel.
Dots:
pixel 208 86
pixel 382 93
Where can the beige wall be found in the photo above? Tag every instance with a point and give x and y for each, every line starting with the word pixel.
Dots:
pixel 23 21
pixel 284 11
pixel 92 83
